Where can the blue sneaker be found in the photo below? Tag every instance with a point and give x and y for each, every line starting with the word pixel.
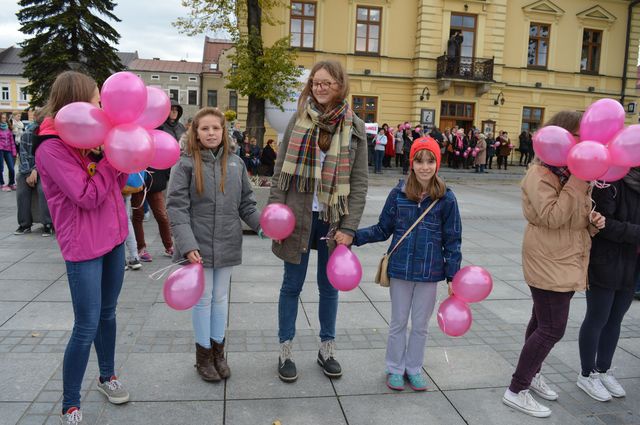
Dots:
pixel 417 382
pixel 395 382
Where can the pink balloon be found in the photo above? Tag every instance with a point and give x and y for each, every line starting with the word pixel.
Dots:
pixel 472 284
pixel 625 147
pixel 184 287
pixel 167 150
pixel 123 97
pixel 344 269
pixel 157 109
pixel 454 316
pixel 588 160
pixel 82 125
pixel 552 145
pixel 277 221
pixel 602 120
pixel 614 173
pixel 129 148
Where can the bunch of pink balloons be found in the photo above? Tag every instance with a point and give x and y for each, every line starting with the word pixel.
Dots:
pixel 277 221
pixel 471 284
pixel 130 111
pixel 344 269
pixel 607 149
pixel 184 287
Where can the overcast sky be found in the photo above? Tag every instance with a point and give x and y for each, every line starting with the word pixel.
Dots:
pixel 145 27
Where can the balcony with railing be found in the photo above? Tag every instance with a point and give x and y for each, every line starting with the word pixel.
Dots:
pixel 465 68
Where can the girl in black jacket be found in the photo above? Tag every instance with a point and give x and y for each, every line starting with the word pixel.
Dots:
pixel 613 270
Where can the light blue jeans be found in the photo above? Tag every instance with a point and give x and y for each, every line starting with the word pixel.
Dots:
pixel 130 242
pixel 210 314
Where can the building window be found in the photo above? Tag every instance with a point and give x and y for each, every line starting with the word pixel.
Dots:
pixel 368 21
pixel 366 107
pixel 23 96
pixel 193 79
pixel 303 24
pixel 233 100
pixel 155 77
pixel 212 98
pixel 591 46
pixel 213 66
pixel 538 51
pixel 174 94
pixel 466 26
pixel 173 78
pixel 532 118
pixel 192 97
pixel 4 93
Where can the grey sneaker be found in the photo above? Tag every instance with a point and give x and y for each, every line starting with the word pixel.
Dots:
pixel 286 367
pixel 114 390
pixel 72 417
pixel 327 359
pixel 134 264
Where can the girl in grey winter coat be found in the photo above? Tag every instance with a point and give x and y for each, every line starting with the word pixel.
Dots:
pixel 209 193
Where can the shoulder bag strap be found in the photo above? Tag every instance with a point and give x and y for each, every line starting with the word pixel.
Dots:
pixel 423 215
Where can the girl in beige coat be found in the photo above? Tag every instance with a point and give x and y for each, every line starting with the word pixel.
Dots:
pixel 555 257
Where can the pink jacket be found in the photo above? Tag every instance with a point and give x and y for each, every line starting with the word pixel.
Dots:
pixel 6 142
pixel 88 211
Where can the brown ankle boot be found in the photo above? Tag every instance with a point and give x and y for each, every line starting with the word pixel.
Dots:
pixel 204 364
pixel 219 361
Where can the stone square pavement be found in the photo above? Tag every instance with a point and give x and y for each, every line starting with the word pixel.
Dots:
pixel 155 351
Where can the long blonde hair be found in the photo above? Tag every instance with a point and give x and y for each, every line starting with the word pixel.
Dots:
pixel 69 87
pixel 195 147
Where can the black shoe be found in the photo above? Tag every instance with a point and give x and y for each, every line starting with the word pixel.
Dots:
pixel 637 295
pixel 327 361
pixel 287 371
pixel 22 230
pixel 134 264
pixel 47 231
pixel 287 368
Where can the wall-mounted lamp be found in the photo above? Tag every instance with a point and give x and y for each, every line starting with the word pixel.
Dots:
pixel 591 89
pixel 538 84
pixel 466 7
pixel 424 96
pixel 499 99
pixel 367 72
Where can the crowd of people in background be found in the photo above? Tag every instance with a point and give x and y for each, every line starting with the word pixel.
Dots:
pixel 460 149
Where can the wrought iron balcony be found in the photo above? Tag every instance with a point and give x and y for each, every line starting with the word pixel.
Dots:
pixel 465 68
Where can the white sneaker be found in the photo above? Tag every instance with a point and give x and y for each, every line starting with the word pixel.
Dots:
pixel 611 384
pixel 541 388
pixel 593 387
pixel 72 417
pixel 524 402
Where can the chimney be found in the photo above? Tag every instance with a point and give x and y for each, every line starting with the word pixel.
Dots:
pixel 156 59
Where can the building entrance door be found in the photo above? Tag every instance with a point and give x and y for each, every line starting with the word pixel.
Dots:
pixel 456 113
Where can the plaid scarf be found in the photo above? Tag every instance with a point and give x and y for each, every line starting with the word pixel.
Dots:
pixel 302 165
pixel 563 173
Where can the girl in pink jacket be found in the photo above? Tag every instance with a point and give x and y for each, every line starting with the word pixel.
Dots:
pixel 7 155
pixel 89 216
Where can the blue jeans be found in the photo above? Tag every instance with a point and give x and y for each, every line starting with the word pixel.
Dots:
pixel 294 276
pixel 8 158
pixel 209 316
pixel 379 155
pixel 95 286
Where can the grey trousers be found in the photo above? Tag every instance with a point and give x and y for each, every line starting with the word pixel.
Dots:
pixel 23 198
pixel 418 300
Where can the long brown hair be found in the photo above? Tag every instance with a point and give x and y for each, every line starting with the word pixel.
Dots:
pixel 195 147
pixel 569 120
pixel 69 87
pixel 436 188
pixel 336 70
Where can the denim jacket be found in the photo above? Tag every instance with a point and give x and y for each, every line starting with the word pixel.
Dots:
pixel 431 252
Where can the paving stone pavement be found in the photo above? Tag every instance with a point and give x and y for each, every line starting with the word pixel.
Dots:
pixel 155 352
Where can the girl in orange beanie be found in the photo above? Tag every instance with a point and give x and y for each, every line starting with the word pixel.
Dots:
pixel 430 253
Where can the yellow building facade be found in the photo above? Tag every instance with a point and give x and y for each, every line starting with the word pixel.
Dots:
pixel 516 63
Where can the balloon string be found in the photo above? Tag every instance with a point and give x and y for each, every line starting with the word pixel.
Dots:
pixel 159 274
pixel 601 184
pixel 146 189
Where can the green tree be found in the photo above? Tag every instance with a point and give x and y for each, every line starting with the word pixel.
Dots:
pixel 66 35
pixel 261 73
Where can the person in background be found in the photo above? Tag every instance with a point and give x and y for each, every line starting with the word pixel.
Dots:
pixel 28 181
pixel 525 148
pixel 381 143
pixel 389 148
pixel 491 149
pixel 407 139
pixel 504 150
pixel 481 157
pixel 268 158
pixel 399 142
pixel 17 127
pixel 7 155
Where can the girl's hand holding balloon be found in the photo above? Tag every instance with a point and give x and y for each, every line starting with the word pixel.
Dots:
pixel 194 257
pixel 342 238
